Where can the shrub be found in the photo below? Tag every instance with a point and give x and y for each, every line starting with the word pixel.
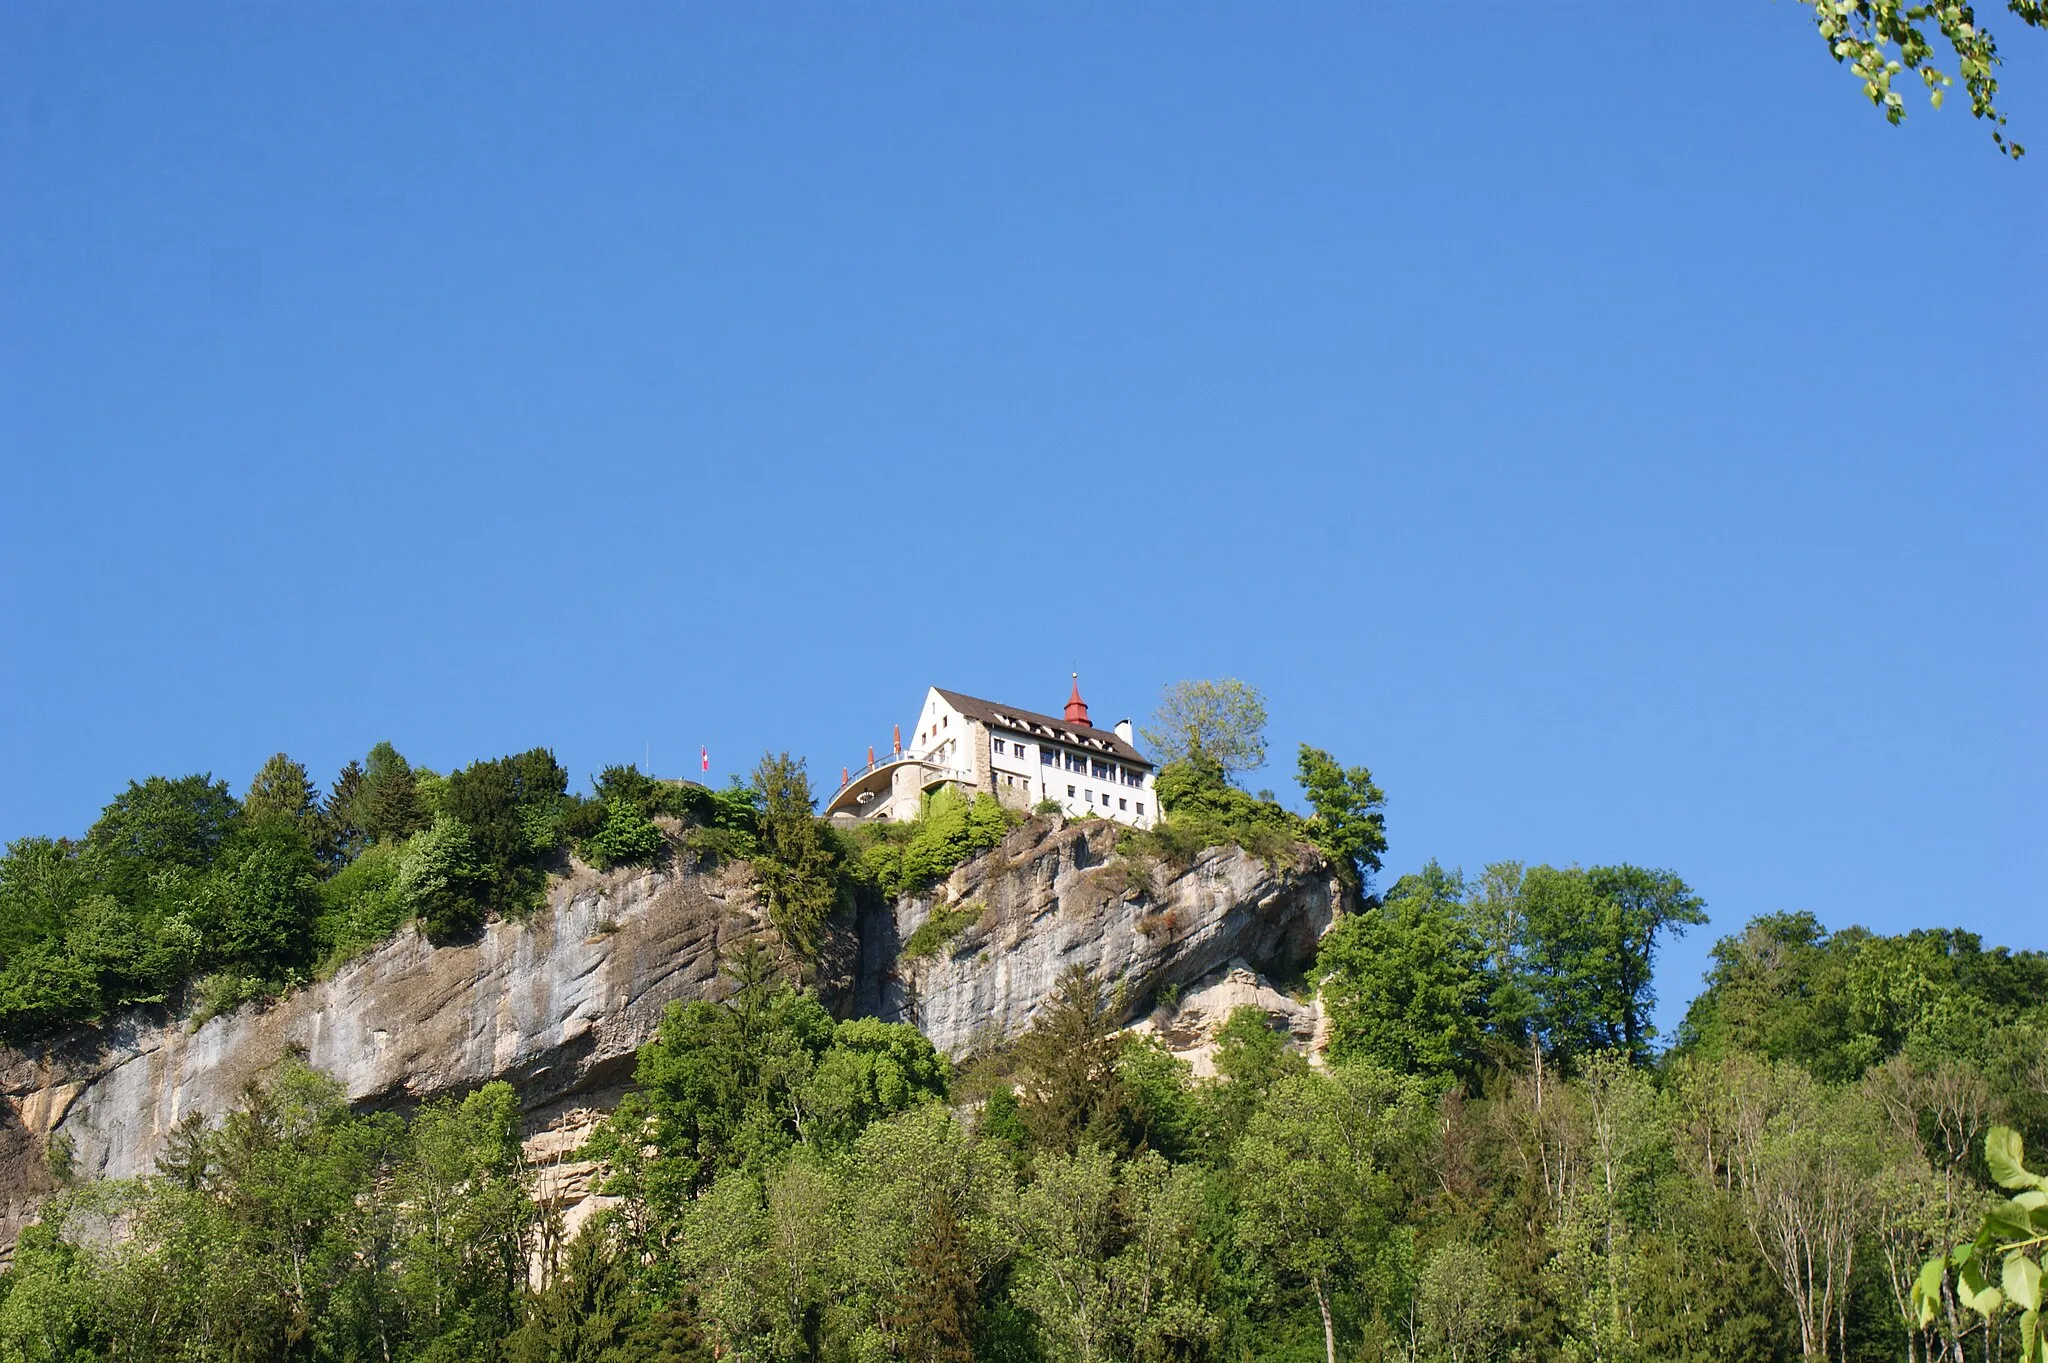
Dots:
pixel 223 992
pixel 360 905
pixel 1199 809
pixel 444 881
pixel 939 929
pixel 949 830
pixel 723 824
pixel 627 838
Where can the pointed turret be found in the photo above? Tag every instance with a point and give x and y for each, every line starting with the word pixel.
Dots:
pixel 1077 709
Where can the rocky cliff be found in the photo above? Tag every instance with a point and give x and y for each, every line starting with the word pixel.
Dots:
pixel 558 1003
pixel 1054 897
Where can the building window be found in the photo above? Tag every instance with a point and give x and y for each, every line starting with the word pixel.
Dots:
pixel 1122 803
pixel 1070 792
pixel 1076 762
pixel 999 745
pixel 1141 809
pixel 1045 757
pixel 1099 770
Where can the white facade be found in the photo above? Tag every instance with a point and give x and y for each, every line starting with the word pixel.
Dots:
pixel 1021 757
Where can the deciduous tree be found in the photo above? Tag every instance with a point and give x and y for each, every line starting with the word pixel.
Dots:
pixel 1224 721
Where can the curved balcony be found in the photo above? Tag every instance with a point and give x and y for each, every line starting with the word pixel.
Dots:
pixel 874 781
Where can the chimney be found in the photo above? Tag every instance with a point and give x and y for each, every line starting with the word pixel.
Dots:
pixel 1077 709
pixel 1125 732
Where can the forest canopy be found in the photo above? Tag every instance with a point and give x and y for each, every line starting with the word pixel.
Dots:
pixel 1496 1158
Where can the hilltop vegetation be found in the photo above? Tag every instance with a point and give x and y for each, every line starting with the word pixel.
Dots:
pixel 1498 1161
pixel 181 889
pixel 798 1189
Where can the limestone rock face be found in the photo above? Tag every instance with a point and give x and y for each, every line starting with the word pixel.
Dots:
pixel 1052 897
pixel 556 1004
pixel 1187 1025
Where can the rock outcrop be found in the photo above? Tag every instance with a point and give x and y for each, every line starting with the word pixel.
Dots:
pixel 557 1004
pixel 1186 1024
pixel 1054 897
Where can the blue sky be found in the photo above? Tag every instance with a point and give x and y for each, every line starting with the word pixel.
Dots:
pixel 1603 427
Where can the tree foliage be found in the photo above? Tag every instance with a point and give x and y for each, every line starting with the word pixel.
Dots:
pixel 794 867
pixel 1221 721
pixel 1403 980
pixel 1348 824
pixel 1883 40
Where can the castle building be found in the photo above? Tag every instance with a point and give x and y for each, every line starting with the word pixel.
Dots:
pixel 1019 756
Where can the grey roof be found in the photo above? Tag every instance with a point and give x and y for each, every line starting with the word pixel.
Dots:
pixel 1044 726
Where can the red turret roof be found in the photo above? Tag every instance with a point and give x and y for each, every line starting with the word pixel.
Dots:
pixel 1077 709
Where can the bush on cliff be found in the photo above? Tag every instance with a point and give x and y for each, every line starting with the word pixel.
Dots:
pixel 626 838
pixel 445 881
pixel 1199 808
pixel 179 881
pixel 950 829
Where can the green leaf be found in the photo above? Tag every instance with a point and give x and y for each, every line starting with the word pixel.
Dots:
pixel 2022 1280
pixel 2006 1222
pixel 1927 1287
pixel 2003 1152
pixel 1975 1291
pixel 2032 1346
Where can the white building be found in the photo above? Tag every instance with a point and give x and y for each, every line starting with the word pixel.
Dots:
pixel 1019 756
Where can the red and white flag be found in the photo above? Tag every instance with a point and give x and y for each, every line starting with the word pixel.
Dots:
pixel 704 755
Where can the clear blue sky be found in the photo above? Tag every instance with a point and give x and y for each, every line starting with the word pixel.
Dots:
pixel 1599 422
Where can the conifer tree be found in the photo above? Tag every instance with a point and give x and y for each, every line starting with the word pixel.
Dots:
pixel 794 867
pixel 280 789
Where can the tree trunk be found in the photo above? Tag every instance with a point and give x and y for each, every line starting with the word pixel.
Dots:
pixel 1329 1330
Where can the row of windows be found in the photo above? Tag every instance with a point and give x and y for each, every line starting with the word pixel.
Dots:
pixel 1074 762
pixel 1089 797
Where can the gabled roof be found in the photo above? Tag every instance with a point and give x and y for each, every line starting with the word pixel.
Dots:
pixel 1043 726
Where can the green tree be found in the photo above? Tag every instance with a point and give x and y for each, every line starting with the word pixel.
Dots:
pixel 387 805
pixel 1068 1230
pixel 1591 949
pixel 723 1086
pixel 1072 1092
pixel 280 789
pixel 870 1070
pixel 920 1202
pixel 2001 1268
pixel 444 881
pixel 1798 1156
pixel 1403 980
pixel 586 1312
pixel 268 881
pixel 1348 826
pixel 511 807
pixel 41 883
pixel 1251 1057
pixel 1315 1177
pixel 628 837
pixel 793 868
pixel 465 1217
pixel 1880 40
pixel 1495 911
pixel 162 822
pixel 1224 721
pixel 1463 1305
pixel 342 836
